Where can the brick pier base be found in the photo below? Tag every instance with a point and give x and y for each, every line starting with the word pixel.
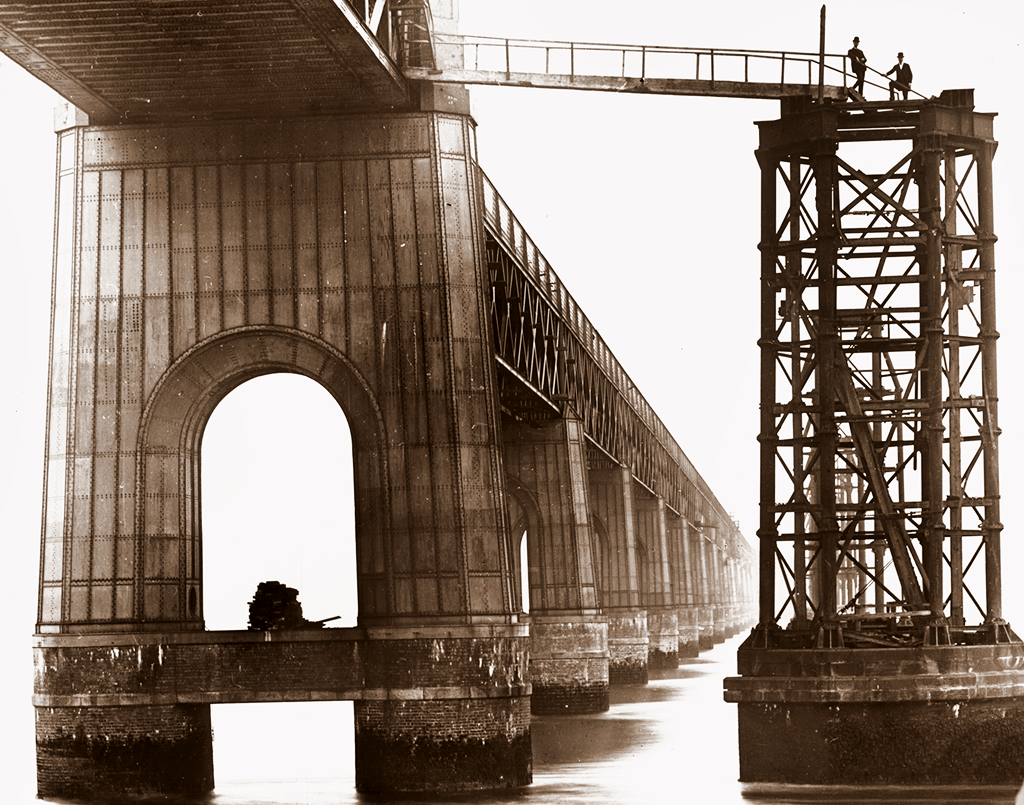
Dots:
pixel 895 743
pixel 663 650
pixel 442 746
pixel 705 627
pixel 89 752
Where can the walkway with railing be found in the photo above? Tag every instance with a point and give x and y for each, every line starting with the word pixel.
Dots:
pixel 638 68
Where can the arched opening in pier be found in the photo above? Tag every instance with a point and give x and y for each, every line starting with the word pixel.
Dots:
pixel 524 578
pixel 278 504
pixel 278 501
pixel 521 553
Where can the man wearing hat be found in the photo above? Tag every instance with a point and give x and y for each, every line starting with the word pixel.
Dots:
pixel 859 66
pixel 901 80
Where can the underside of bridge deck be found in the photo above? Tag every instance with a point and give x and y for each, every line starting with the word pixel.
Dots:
pixel 125 61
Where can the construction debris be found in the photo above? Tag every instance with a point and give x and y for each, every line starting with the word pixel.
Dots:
pixel 276 606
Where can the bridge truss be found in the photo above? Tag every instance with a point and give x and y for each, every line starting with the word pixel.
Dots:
pixel 879 423
pixel 552 362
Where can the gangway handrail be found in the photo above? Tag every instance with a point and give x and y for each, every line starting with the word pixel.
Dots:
pixel 507 44
pixel 485 56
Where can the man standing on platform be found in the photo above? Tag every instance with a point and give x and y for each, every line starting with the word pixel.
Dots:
pixel 859 66
pixel 902 78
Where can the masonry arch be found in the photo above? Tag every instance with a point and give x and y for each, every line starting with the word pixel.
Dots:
pixel 277 501
pixel 601 554
pixel 168 510
pixel 645 572
pixel 526 522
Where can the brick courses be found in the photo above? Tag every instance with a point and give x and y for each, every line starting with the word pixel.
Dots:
pixel 88 751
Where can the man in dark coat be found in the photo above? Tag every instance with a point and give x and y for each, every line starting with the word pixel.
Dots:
pixel 858 64
pixel 902 76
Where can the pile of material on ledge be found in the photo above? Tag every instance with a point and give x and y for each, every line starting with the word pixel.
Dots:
pixel 276 606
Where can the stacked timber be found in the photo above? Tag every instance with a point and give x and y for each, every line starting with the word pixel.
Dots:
pixel 276 606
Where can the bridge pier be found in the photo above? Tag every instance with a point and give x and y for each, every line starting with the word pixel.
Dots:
pixel 706 608
pixel 686 618
pixel 721 618
pixel 928 715
pixel 546 468
pixel 193 257
pixel 439 701
pixel 611 496
pixel 656 579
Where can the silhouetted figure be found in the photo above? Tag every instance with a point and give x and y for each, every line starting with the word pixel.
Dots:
pixel 859 66
pixel 902 76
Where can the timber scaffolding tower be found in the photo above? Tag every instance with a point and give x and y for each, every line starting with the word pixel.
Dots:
pixel 879 420
pixel 880 600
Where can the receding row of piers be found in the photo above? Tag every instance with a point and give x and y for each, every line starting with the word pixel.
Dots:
pixel 619 583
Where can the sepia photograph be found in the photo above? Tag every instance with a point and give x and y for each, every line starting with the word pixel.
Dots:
pixel 562 403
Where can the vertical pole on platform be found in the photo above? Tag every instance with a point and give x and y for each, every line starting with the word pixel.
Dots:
pixel 821 58
pixel 878 547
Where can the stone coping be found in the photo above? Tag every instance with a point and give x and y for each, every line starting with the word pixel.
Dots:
pixel 897 674
pixel 867 689
pixel 883 661
pixel 559 618
pixel 244 697
pixel 327 635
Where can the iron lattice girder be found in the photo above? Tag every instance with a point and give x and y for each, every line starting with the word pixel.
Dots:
pixel 552 362
pixel 869 272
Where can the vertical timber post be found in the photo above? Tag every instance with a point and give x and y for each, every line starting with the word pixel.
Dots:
pixel 767 532
pixel 992 525
pixel 823 168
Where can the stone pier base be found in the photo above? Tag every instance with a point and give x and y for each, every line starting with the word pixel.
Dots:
pixel 719 625
pixel 627 648
pixel 663 633
pixel 936 715
pixel 897 743
pixel 568 664
pixel 689 632
pixel 705 627
pixel 438 707
pixel 443 745
pixel 98 752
